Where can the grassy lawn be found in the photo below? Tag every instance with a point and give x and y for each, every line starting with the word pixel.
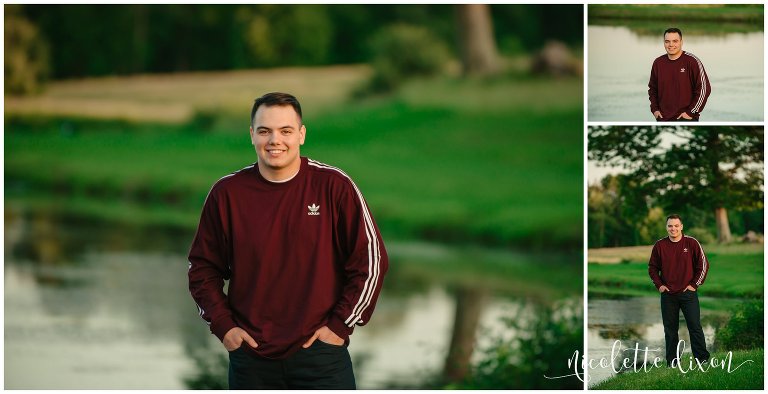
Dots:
pixel 680 12
pixel 539 277
pixel 650 20
pixel 736 272
pixel 431 166
pixel 747 376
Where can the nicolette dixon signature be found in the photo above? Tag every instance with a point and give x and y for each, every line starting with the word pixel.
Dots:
pixel 639 360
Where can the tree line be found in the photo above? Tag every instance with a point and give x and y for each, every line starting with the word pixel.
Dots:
pixel 712 176
pixel 95 40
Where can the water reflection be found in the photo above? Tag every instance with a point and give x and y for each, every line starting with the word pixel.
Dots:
pixel 634 321
pixel 95 306
pixel 620 58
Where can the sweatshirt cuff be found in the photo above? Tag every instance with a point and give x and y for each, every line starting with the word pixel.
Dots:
pixel 339 328
pixel 222 326
pixel 694 285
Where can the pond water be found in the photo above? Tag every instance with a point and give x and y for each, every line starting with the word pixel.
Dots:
pixel 633 321
pixel 619 65
pixel 94 308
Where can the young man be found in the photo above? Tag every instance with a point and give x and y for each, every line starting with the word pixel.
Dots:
pixel 304 259
pixel 679 87
pixel 678 267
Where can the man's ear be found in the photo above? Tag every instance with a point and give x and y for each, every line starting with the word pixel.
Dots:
pixel 253 142
pixel 303 133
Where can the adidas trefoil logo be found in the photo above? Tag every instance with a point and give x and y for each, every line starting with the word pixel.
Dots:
pixel 313 210
pixel 682 70
pixel 685 250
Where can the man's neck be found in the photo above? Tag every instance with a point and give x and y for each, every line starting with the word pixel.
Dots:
pixel 675 57
pixel 676 239
pixel 279 176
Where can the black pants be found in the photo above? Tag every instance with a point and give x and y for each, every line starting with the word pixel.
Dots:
pixel 688 302
pixel 321 366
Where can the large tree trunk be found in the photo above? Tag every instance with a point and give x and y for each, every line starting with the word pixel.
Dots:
pixel 723 229
pixel 140 27
pixel 478 47
pixel 469 304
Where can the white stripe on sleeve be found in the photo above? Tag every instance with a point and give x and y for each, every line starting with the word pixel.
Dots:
pixel 374 253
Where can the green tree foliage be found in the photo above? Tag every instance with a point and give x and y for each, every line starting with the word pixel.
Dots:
pixel 526 28
pixel 402 52
pixel 744 330
pixel 26 54
pixel 616 216
pixel 698 170
pixel 541 349
pixel 274 35
pixel 93 40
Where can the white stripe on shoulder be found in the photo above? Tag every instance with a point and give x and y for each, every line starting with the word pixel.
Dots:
pixel 374 252
pixel 225 177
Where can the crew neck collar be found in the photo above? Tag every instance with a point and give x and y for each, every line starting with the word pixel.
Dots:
pixel 676 59
pixel 681 238
pixel 298 174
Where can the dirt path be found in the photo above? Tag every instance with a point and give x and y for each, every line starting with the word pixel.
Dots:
pixel 175 97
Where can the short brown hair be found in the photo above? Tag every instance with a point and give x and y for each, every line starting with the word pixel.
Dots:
pixel 675 216
pixel 276 98
pixel 673 30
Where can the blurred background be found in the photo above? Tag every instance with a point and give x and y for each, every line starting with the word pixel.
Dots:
pixel 625 39
pixel 462 126
pixel 713 177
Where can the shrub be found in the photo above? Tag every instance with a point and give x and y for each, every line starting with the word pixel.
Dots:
pixel 401 52
pixel 744 330
pixel 26 54
pixel 545 344
pixel 703 235
pixel 202 120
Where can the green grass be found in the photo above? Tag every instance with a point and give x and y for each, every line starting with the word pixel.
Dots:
pixel 752 13
pixel 736 272
pixel 748 376
pixel 431 166
pixel 651 20
pixel 538 277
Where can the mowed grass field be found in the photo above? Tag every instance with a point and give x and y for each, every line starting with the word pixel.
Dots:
pixel 495 162
pixel 752 13
pixel 736 271
pixel 741 375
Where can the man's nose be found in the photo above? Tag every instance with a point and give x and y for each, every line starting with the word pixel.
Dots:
pixel 274 138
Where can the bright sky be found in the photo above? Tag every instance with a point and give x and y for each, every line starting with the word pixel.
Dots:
pixel 595 173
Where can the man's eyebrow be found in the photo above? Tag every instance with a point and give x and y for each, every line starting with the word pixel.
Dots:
pixel 279 128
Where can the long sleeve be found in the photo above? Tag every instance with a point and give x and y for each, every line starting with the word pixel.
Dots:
pixel 653 91
pixel 654 267
pixel 209 268
pixel 701 87
pixel 364 267
pixel 700 265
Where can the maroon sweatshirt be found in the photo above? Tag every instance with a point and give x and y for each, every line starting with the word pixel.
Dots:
pixel 678 86
pixel 680 263
pixel 298 255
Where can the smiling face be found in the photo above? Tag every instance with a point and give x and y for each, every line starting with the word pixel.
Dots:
pixel 673 44
pixel 277 135
pixel 674 229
